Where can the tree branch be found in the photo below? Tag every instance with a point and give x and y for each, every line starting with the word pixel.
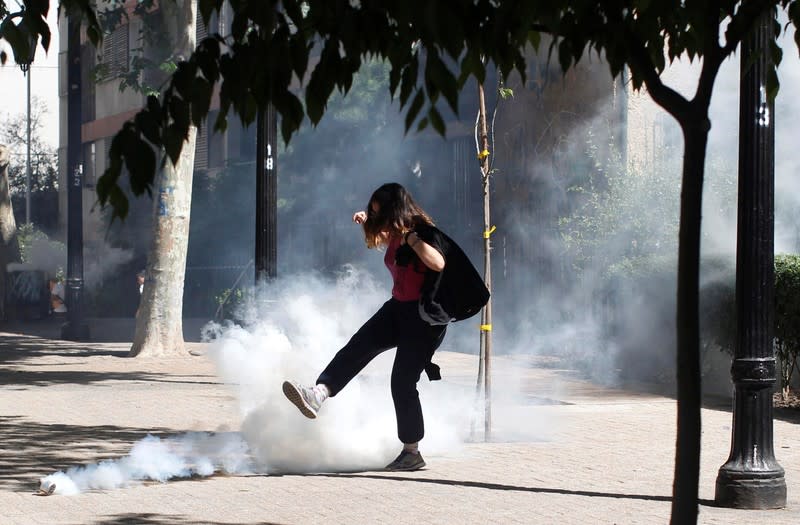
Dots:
pixel 642 65
pixel 713 55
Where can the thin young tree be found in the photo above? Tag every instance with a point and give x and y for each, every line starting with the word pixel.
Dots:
pixel 482 143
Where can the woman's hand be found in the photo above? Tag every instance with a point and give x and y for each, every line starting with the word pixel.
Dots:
pixel 360 217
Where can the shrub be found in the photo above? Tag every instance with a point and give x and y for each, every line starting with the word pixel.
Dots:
pixel 642 275
pixel 787 316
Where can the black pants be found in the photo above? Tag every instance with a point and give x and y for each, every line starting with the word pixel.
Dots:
pixel 395 324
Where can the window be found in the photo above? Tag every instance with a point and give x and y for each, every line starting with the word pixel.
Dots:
pixel 116 53
pixel 201 149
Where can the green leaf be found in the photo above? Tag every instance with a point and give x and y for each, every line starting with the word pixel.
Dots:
pixel 206 8
pixel 201 100
pixel 95 35
pixel 106 182
pixel 299 53
pixel 413 109
pixel 141 167
pixel 505 93
pixel 207 59
pixel 773 84
pixel 535 39
pixel 444 81
pixel 173 142
pixel 118 202
pixel 436 120
pixel 410 74
pixel 182 79
pixel 180 112
pixel 148 125
pixel 108 190
pixel 16 38
pixel 776 53
pixel 153 105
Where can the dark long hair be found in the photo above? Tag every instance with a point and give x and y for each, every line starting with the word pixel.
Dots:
pixel 398 213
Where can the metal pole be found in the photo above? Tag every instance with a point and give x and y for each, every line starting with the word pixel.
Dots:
pixel 266 259
pixel 752 478
pixel 74 329
pixel 28 162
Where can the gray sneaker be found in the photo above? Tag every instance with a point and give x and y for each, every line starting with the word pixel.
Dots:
pixel 406 462
pixel 303 397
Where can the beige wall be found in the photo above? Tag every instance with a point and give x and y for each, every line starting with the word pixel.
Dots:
pixel 649 128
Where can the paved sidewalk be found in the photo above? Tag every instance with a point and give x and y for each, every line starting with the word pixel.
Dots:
pixel 608 458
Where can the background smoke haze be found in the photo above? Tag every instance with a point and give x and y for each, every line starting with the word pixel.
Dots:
pixel 563 311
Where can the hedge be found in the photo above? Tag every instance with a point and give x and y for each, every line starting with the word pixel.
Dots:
pixel 717 301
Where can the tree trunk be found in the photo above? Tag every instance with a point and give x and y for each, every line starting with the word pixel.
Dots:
pixel 159 319
pixel 687 453
pixel 9 245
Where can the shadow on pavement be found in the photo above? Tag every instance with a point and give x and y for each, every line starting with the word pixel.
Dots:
pixel 790 415
pixel 148 518
pixel 500 486
pixel 28 351
pixel 17 347
pixel 33 450
pixel 101 329
pixel 27 378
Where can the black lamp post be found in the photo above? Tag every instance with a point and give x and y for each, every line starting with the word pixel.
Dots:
pixel 25 65
pixel 74 329
pixel 752 478
pixel 266 259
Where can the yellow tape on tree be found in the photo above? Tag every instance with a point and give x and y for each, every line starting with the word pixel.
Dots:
pixel 488 232
pixel 486 328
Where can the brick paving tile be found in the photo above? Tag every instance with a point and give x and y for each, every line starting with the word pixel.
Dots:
pixel 596 456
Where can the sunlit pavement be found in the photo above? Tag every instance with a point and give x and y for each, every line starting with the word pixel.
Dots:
pixel 599 455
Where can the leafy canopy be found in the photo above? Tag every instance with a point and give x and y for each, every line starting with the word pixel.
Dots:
pixel 278 52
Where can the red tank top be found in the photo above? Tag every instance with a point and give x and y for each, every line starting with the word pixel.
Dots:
pixel 407 280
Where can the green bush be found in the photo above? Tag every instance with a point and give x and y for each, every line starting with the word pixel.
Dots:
pixel 787 316
pixel 229 301
pixel 718 300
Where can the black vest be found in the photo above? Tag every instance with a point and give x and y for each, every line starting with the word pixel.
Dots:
pixel 458 291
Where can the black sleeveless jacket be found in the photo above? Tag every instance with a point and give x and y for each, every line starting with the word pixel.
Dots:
pixel 458 291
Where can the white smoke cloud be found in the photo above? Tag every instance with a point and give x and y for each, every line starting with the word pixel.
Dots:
pixel 156 459
pixel 104 262
pixel 291 330
pixel 297 330
pixel 44 255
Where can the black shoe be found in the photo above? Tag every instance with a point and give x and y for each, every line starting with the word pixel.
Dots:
pixel 406 462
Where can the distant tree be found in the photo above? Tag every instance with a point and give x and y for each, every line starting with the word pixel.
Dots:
pixel 44 157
